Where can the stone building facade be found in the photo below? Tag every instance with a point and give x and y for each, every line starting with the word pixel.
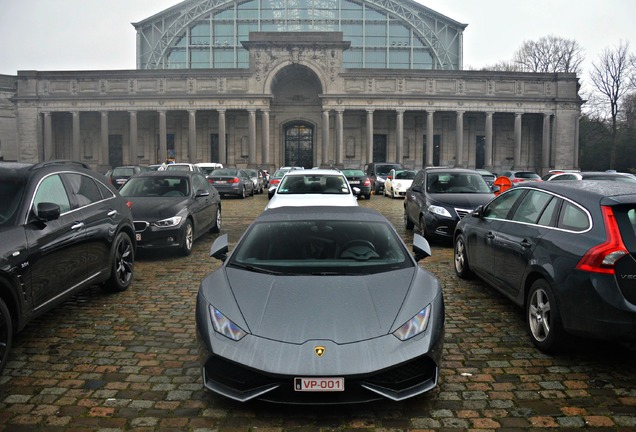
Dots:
pixel 294 104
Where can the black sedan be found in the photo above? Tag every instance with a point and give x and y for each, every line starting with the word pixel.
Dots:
pixel 564 251
pixel 439 197
pixel 63 229
pixel 320 305
pixel 358 179
pixel 172 208
pixel 232 181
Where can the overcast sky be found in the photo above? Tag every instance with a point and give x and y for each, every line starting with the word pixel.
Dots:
pixel 51 35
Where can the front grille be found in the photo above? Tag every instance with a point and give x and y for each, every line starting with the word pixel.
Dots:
pixel 462 213
pixel 140 226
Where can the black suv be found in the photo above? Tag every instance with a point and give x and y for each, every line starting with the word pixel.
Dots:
pixel 377 172
pixel 63 228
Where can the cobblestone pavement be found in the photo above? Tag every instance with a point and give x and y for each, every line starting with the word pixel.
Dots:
pixel 128 361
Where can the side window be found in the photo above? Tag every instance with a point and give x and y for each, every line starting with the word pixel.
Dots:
pixel 500 207
pixel 531 207
pixel 419 179
pixel 84 189
pixel 548 214
pixel 51 190
pixel 104 191
pixel 573 218
pixel 201 183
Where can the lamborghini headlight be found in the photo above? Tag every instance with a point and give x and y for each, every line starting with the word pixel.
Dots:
pixel 415 325
pixel 168 223
pixel 224 326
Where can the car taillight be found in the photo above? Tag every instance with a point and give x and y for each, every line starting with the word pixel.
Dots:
pixel 234 180
pixel 210 180
pixel 603 257
pixel 517 180
pixel 129 204
pixel 273 182
pixel 367 182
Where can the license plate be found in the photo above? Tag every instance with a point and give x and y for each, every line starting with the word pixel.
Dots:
pixel 319 384
pixel 138 237
pixel 354 182
pixel 220 181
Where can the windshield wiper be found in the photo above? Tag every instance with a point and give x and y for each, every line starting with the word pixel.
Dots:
pixel 256 269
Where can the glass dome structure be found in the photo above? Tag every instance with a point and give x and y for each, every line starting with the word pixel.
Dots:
pixel 384 34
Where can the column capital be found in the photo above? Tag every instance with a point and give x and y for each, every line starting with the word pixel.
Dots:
pixel 221 110
pixel 370 110
pixel 400 111
pixel 251 110
pixel 340 110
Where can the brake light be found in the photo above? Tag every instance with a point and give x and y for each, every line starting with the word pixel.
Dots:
pixel 367 182
pixel 517 180
pixel 129 204
pixel 274 181
pixel 603 257
pixel 234 180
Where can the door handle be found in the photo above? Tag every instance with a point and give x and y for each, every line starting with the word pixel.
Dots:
pixel 490 235
pixel 77 225
pixel 525 243
pixel 112 213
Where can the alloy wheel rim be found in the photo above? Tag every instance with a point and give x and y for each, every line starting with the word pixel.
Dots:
pixel 124 262
pixel 188 237
pixel 459 256
pixel 539 315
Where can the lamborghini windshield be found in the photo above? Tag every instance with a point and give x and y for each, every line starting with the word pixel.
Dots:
pixel 321 247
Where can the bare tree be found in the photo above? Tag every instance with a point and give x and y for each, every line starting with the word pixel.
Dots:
pixel 611 78
pixel 502 66
pixel 550 54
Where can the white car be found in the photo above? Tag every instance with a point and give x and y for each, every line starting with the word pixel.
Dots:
pixel 207 167
pixel 183 167
pixel 397 182
pixel 315 187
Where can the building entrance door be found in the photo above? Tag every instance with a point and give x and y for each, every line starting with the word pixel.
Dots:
pixel 115 150
pixel 299 145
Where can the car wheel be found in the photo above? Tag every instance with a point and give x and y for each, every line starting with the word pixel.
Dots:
pixel 188 238
pixel 242 194
pixel 6 334
pixel 368 196
pixel 461 258
pixel 543 317
pixel 216 227
pixel 422 228
pixel 408 224
pixel 122 264
pixel 252 191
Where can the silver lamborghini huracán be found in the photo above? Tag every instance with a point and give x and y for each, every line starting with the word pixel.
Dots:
pixel 320 305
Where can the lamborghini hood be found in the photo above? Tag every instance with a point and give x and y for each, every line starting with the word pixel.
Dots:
pixel 342 309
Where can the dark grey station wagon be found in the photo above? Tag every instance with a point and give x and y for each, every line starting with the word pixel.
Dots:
pixel 564 251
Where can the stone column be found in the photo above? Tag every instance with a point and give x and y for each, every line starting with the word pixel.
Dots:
pixel 132 153
pixel 576 142
pixel 75 143
pixel 49 151
pixel 545 144
pixel 459 138
pixel 265 137
pixel 430 137
pixel 369 135
pixel 103 154
pixel 325 137
pixel 488 146
pixel 517 151
pixel 252 137
pixel 339 136
pixel 222 142
pixel 399 135
pixel 163 138
pixel 192 136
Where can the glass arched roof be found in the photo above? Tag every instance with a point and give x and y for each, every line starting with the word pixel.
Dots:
pixel 385 34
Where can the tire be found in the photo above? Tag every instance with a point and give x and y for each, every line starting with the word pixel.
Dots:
pixel 543 318
pixel 122 264
pixel 368 196
pixel 422 228
pixel 242 194
pixel 462 268
pixel 188 238
pixel 216 226
pixel 6 334
pixel 408 224
pixel 252 191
